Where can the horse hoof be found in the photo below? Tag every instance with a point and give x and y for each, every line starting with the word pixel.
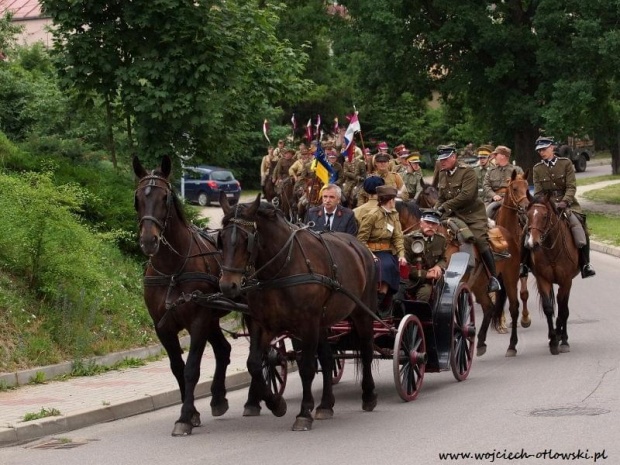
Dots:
pixel 196 420
pixel 526 324
pixel 251 411
pixel 511 353
pixel 480 351
pixel 280 409
pixel 324 414
pixel 302 424
pixel 554 350
pixel 564 349
pixel 220 409
pixel 182 429
pixel 369 406
pixel 502 329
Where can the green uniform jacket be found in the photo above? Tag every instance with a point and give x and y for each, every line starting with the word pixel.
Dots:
pixel 558 180
pixel 413 184
pixel 281 169
pixel 481 172
pixel 496 178
pixel 458 195
pixel 374 228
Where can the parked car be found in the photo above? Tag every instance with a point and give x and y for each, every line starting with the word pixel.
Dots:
pixel 579 151
pixel 203 184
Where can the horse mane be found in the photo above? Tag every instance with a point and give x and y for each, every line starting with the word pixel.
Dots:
pixel 265 210
pixel 410 206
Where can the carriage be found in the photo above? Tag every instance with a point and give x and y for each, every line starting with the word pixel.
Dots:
pixel 419 337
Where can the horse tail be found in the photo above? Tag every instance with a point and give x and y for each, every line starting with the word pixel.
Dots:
pixel 500 302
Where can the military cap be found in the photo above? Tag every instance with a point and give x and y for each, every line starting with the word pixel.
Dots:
pixel 404 153
pixel 503 150
pixel 387 191
pixel 382 157
pixel 371 183
pixel 331 154
pixel 367 151
pixel 444 151
pixel 289 150
pixel 431 216
pixel 413 158
pixel 382 146
pixel 399 149
pixel 484 151
pixel 543 142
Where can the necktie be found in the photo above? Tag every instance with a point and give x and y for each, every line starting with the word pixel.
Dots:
pixel 328 221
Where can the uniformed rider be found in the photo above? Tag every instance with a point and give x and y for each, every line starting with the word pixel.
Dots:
pixel 425 252
pixel 556 176
pixel 458 197
pixel 413 176
pixel 381 162
pixel 497 178
pixel 482 168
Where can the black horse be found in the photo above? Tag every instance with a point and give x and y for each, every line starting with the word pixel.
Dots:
pixel 299 282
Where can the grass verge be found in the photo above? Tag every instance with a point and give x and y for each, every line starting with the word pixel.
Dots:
pixel 595 179
pixel 43 413
pixel 604 228
pixel 609 194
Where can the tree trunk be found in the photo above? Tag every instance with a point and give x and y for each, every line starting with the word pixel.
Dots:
pixel 525 155
pixel 111 145
pixel 615 154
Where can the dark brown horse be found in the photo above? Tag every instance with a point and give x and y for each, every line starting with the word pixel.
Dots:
pixel 477 278
pixel 510 216
pixel 269 188
pixel 429 195
pixel 181 260
pixel 555 260
pixel 299 282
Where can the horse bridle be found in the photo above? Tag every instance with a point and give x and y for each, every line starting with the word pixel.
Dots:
pixel 152 178
pixel 238 223
pixel 515 200
pixel 547 227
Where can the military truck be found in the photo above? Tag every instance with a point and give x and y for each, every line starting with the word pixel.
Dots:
pixel 579 151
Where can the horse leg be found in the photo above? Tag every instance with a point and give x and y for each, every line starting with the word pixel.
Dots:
pixel 562 320
pixel 252 406
pixel 325 410
pixel 221 351
pixel 307 370
pixel 524 294
pixel 547 299
pixel 482 297
pixel 189 415
pixel 513 305
pixel 362 322
pixel 259 341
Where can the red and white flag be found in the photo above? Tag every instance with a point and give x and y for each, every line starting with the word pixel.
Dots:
pixel 294 122
pixel 309 130
pixel 354 126
pixel 266 130
pixel 318 127
pixel 336 126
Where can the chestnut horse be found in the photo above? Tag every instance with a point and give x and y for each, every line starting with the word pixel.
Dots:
pixel 555 260
pixel 180 260
pixel 299 282
pixel 477 278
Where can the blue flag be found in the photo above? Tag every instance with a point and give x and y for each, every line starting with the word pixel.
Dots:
pixel 323 169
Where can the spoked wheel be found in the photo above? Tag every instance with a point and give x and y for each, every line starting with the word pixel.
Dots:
pixel 463 333
pixel 275 367
pixel 338 369
pixel 410 358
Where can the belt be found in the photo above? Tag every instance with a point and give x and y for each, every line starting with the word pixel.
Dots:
pixel 378 246
pixel 555 193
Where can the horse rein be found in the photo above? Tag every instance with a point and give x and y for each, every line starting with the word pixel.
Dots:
pixel 152 178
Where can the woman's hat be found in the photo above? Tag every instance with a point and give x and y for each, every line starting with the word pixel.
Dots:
pixel 382 157
pixel 371 183
pixel 387 191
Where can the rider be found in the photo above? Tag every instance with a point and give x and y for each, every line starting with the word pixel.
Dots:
pixel 280 172
pixel 458 197
pixel 413 175
pixel 429 264
pixel 497 178
pixel 380 230
pixel 382 169
pixel 278 152
pixel 556 176
pixel 265 167
pixel 353 173
pixel 484 155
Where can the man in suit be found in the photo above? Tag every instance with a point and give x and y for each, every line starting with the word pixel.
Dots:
pixel 331 216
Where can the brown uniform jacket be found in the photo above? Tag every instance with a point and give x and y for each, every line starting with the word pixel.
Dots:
pixel 281 169
pixel 458 195
pixel 558 180
pixel 434 250
pixel 497 177
pixel 379 226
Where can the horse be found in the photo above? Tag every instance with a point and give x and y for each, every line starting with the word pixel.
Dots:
pixel 299 282
pixel 477 278
pixel 269 188
pixel 285 200
pixel 181 259
pixel 555 260
pixel 429 195
pixel 509 215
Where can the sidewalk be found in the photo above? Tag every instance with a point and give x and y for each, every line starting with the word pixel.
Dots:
pixel 85 401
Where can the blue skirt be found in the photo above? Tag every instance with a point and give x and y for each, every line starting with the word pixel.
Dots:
pixel 387 269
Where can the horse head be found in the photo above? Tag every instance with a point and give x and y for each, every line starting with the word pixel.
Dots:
pixel 429 195
pixel 542 215
pixel 238 242
pixel 518 194
pixel 153 200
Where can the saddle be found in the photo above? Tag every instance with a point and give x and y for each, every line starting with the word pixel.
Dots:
pixel 459 230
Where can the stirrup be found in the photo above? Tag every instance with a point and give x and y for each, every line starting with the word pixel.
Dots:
pixel 494 285
pixel 523 271
pixel 587 271
pixel 501 255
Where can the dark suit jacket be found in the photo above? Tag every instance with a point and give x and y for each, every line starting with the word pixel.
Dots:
pixel 344 220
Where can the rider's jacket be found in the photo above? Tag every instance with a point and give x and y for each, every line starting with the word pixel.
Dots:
pixel 497 178
pixel 557 177
pixel 380 230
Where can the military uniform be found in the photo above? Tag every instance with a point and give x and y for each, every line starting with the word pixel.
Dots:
pixel 557 177
pixel 434 255
pixel 337 167
pixel 281 173
pixel 496 179
pixel 354 173
pixel 265 168
pixel 413 183
pixel 278 153
pixel 481 172
pixel 391 179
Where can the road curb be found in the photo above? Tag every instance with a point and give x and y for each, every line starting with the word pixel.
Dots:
pixel 37 429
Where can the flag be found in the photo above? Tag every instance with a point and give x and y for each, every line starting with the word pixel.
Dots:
pixel 309 130
pixel 336 127
pixel 266 130
pixel 321 167
pixel 318 127
pixel 294 122
pixel 349 135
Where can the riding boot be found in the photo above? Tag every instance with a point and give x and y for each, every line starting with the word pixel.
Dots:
pixel 489 262
pixel 584 260
pixel 524 267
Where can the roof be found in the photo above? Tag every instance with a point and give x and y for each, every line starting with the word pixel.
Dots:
pixel 21 9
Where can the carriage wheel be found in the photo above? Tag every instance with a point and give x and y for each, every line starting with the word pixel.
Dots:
pixel 463 333
pixel 410 358
pixel 275 367
pixel 338 369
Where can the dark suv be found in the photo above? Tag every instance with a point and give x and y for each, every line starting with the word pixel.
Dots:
pixel 203 184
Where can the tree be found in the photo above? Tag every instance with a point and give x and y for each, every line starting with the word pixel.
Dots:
pixel 199 71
